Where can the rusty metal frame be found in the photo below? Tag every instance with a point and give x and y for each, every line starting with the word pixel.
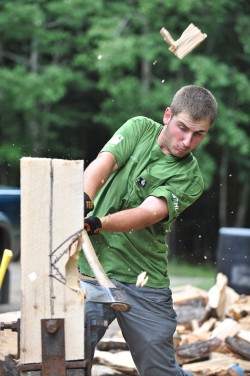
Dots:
pixel 53 348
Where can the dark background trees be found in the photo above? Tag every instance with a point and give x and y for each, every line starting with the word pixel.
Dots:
pixel 72 71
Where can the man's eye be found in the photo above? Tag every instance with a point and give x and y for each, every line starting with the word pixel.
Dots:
pixel 183 128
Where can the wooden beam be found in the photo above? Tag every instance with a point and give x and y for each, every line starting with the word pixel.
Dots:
pixel 51 213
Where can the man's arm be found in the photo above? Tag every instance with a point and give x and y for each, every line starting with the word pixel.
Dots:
pixel 152 210
pixel 97 173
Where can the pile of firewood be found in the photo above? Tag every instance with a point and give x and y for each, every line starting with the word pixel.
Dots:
pixel 212 335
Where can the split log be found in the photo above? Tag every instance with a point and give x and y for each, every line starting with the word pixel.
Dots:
pixel 221 297
pixel 202 333
pixel 221 366
pixel 104 371
pixel 108 344
pixel 240 308
pixel 121 361
pixel 186 313
pixel 197 350
pixel 225 328
pixel 239 346
pixel 206 327
pixel 184 294
pixel 245 335
pixel 245 323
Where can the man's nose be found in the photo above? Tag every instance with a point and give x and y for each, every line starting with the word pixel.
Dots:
pixel 187 140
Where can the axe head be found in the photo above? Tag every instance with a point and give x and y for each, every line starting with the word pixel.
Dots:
pixel 113 296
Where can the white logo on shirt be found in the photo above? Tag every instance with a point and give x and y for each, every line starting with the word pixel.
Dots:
pixel 176 202
pixel 116 139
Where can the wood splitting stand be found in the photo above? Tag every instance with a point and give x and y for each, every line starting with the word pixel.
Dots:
pixel 51 332
pixel 53 338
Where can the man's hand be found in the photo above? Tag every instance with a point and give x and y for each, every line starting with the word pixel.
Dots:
pixel 88 204
pixel 93 225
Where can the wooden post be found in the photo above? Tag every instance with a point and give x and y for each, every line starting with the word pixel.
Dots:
pixel 51 213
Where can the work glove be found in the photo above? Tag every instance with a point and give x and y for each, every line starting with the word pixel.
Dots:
pixel 88 204
pixel 93 225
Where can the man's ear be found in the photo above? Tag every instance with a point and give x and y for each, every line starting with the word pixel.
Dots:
pixel 167 116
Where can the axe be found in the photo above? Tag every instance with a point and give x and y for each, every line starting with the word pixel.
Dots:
pixel 108 293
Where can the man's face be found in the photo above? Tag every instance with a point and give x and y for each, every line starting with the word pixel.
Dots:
pixel 181 133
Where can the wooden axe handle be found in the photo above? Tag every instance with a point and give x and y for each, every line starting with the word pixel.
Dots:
pixel 101 276
pixel 94 262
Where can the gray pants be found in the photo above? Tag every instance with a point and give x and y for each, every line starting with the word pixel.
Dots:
pixel 148 328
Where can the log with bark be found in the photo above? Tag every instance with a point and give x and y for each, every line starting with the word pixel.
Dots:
pixel 109 344
pixel 197 350
pixel 239 346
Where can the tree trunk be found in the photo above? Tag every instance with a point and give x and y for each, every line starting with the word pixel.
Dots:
pixel 242 205
pixel 223 193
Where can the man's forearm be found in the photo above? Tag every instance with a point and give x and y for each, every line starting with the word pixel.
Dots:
pixel 124 221
pixel 136 218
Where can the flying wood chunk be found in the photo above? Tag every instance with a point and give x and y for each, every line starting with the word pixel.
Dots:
pixel 142 279
pixel 190 38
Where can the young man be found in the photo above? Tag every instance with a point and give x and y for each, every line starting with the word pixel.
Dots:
pixel 143 178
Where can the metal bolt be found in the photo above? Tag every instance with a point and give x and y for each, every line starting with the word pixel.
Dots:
pixel 11 326
pixel 52 326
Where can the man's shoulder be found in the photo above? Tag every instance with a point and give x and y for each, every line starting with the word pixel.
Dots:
pixel 144 122
pixel 141 118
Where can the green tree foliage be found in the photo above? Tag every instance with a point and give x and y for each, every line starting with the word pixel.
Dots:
pixel 72 71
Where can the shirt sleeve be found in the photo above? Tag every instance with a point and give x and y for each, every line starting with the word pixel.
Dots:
pixel 125 139
pixel 180 194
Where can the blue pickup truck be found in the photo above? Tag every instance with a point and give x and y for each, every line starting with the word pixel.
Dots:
pixel 9 231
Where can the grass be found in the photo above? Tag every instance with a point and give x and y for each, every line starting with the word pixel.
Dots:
pixel 203 275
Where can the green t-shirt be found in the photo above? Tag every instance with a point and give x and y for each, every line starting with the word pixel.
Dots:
pixel 144 170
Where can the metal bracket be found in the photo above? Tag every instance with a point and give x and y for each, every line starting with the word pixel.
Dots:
pixel 53 352
pixel 53 348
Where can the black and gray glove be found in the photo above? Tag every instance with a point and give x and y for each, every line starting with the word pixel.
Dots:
pixel 88 204
pixel 93 225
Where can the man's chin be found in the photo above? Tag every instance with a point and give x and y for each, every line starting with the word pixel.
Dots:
pixel 181 153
